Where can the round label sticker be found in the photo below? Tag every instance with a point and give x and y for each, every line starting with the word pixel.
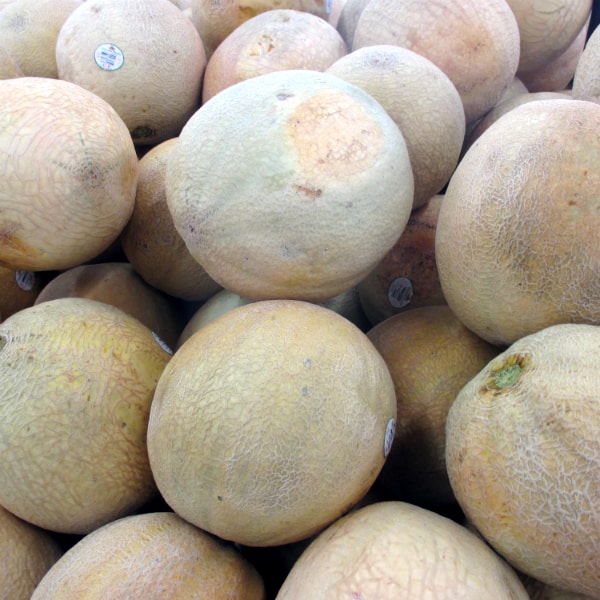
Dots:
pixel 108 57
pixel 25 280
pixel 388 439
pixel 162 344
pixel 400 292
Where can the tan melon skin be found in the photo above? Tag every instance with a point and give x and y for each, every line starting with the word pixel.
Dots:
pixel 517 244
pixel 29 30
pixel 155 556
pixel 557 74
pixel 27 553
pixel 118 284
pixel 76 382
pixel 69 173
pixel 157 88
pixel 431 355
pixel 586 81
pixel 547 28
pixel 275 40
pixel 421 100
pixel 390 550
pixel 346 304
pixel 216 20
pixel 407 276
pixel 9 68
pixel 507 105
pixel 151 242
pixel 301 207
pixel 270 422
pixel 476 44
pixel 522 453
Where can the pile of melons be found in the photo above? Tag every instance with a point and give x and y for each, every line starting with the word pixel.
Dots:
pixel 299 299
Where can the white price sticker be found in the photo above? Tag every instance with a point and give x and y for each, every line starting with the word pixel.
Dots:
pixel 109 57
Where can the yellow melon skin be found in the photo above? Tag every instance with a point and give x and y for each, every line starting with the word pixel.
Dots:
pixel 517 244
pixel 69 173
pixel 390 550
pixel 117 283
pixel 300 195
pixel 522 453
pixel 27 553
pixel 155 556
pixel 270 422
pixel 76 382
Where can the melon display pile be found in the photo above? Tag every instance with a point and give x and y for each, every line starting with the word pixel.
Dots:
pixel 299 299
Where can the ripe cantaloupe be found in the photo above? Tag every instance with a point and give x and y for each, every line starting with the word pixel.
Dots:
pixel 69 173
pixel 586 80
pixel 547 28
pixel 522 453
pixel 152 556
pixel 118 284
pixel 407 276
pixel 516 245
pixel 29 30
pixel 150 241
pixel 144 57
pixel 77 378
pixel 475 43
pixel 421 100
pixel 346 304
pixel 270 422
pixel 556 75
pixel 27 553
pixel 274 40
pixel 431 355
pixel 300 195
pixel 216 20
pixel 390 550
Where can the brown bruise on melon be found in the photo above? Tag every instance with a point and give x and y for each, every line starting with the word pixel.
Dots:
pixel 13 250
pixel 334 139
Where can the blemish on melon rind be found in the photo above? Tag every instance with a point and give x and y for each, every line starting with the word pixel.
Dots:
pixel 143 132
pixel 505 372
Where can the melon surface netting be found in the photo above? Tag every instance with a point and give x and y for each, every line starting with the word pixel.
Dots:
pixel 270 422
pixel 292 184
